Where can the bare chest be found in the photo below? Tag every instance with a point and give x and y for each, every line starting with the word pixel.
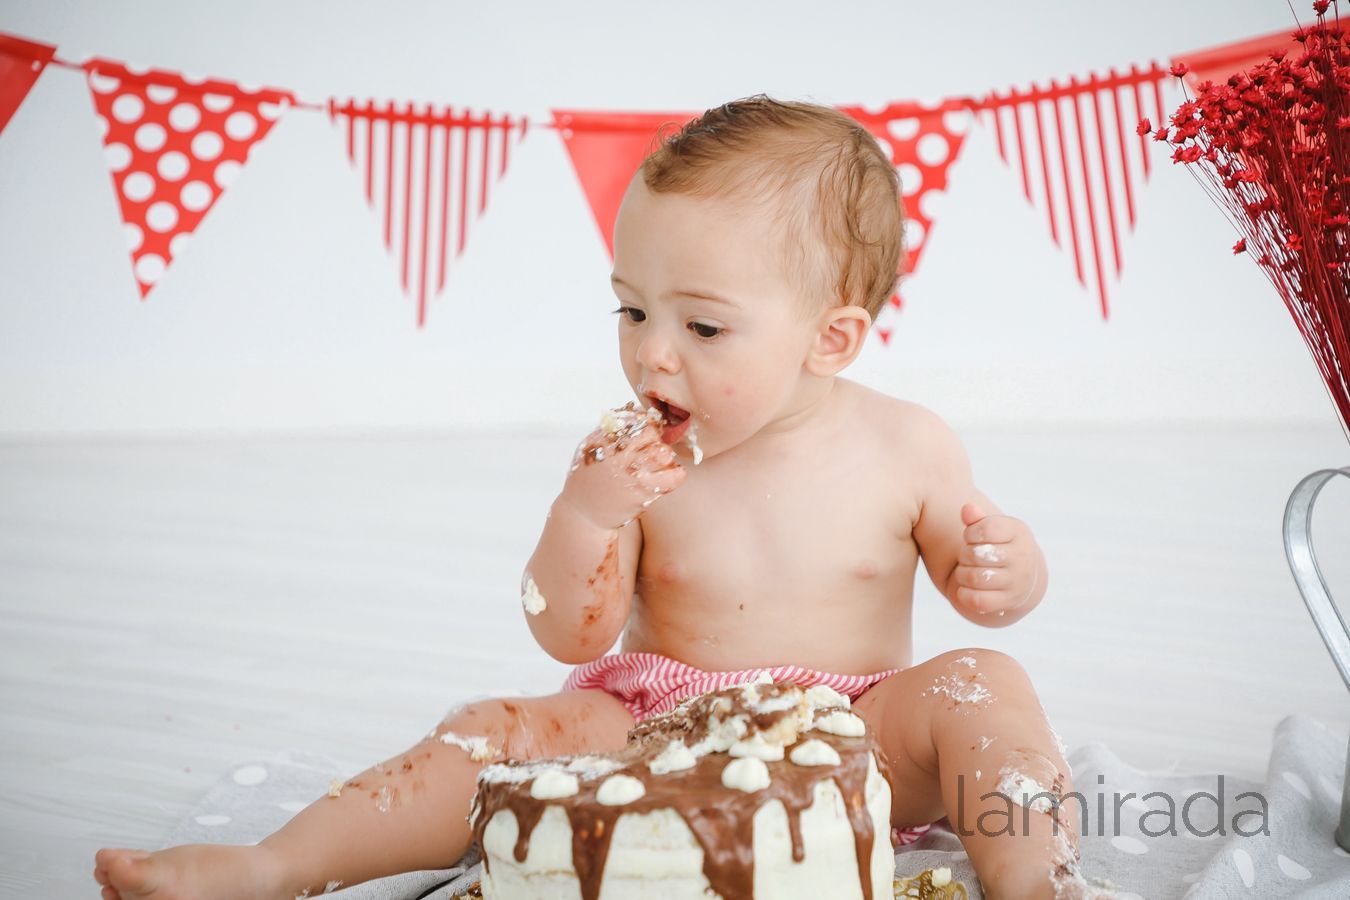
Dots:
pixel 780 534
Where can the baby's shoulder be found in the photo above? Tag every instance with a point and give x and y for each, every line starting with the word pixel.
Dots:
pixel 893 418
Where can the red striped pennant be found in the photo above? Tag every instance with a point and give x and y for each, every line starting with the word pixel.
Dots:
pixel 428 175
pixel 1079 157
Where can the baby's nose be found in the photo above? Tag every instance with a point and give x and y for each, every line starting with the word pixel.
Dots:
pixel 655 354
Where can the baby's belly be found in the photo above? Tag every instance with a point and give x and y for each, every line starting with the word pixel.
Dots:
pixel 848 635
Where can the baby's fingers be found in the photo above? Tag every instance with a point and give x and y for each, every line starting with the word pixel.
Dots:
pixel 982 578
pixel 992 530
pixel 665 479
pixel 984 555
pixel 983 601
pixel 650 458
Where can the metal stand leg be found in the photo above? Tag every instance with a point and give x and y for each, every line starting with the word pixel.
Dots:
pixel 1298 549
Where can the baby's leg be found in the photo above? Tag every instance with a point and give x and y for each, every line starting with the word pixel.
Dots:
pixel 966 736
pixel 406 814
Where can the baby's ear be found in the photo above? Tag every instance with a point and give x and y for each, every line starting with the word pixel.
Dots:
pixel 839 338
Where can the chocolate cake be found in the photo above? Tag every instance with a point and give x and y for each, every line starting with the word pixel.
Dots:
pixel 757 791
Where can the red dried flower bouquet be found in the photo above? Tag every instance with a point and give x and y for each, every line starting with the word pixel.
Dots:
pixel 1271 147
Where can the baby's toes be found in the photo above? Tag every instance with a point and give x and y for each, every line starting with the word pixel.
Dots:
pixel 130 873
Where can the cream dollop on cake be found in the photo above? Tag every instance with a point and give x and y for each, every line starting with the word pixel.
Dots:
pixel 756 791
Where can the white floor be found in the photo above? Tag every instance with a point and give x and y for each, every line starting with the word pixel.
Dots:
pixel 169 609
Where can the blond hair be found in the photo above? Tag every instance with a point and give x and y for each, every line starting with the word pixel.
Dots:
pixel 832 192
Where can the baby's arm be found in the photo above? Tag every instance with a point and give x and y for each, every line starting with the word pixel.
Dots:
pixel 987 565
pixel 578 585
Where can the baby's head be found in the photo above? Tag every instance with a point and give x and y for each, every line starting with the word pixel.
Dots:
pixel 751 252
pixel 816 179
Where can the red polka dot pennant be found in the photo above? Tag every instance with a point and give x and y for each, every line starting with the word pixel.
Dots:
pixel 923 142
pixel 173 144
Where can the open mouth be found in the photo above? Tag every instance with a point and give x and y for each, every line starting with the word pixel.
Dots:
pixel 677 419
pixel 673 414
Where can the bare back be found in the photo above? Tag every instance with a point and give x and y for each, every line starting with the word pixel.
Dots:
pixel 793 548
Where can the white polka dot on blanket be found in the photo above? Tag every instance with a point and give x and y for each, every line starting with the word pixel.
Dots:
pixel 1330 789
pixel 293 806
pixel 212 820
pixel 1297 784
pixel 1191 878
pixel 1242 861
pixel 250 775
pixel 1136 803
pixel 1292 869
pixel 1338 851
pixel 1127 844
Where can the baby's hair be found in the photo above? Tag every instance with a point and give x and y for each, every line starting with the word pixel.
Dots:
pixel 832 192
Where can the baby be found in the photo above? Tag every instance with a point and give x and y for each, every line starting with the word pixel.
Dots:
pixel 751 253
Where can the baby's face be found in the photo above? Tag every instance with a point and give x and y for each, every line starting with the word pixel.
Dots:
pixel 708 323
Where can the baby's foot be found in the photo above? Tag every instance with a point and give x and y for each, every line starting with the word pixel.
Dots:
pixel 206 871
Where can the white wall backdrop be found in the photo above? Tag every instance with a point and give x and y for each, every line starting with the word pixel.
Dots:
pixel 286 315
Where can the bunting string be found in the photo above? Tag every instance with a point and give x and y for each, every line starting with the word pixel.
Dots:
pixel 174 144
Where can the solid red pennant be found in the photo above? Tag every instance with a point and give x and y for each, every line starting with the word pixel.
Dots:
pixel 173 146
pixel 606 149
pixel 423 173
pixel 1217 63
pixel 21 62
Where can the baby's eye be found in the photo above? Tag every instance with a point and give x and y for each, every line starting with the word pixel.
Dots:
pixel 632 314
pixel 706 332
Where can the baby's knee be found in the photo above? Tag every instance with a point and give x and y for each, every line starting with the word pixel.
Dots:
pixel 516 728
pixel 987 664
pixel 490 730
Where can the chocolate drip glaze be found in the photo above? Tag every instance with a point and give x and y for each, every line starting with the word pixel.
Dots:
pixel 714 813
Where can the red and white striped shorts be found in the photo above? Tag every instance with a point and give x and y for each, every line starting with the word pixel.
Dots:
pixel 649 684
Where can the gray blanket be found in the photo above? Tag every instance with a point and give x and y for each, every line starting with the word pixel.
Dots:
pixel 1232 838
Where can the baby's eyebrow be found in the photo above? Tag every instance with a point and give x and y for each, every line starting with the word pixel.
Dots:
pixel 697 295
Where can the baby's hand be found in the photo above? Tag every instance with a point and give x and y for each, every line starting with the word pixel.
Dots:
pixel 621 468
pixel 999 566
